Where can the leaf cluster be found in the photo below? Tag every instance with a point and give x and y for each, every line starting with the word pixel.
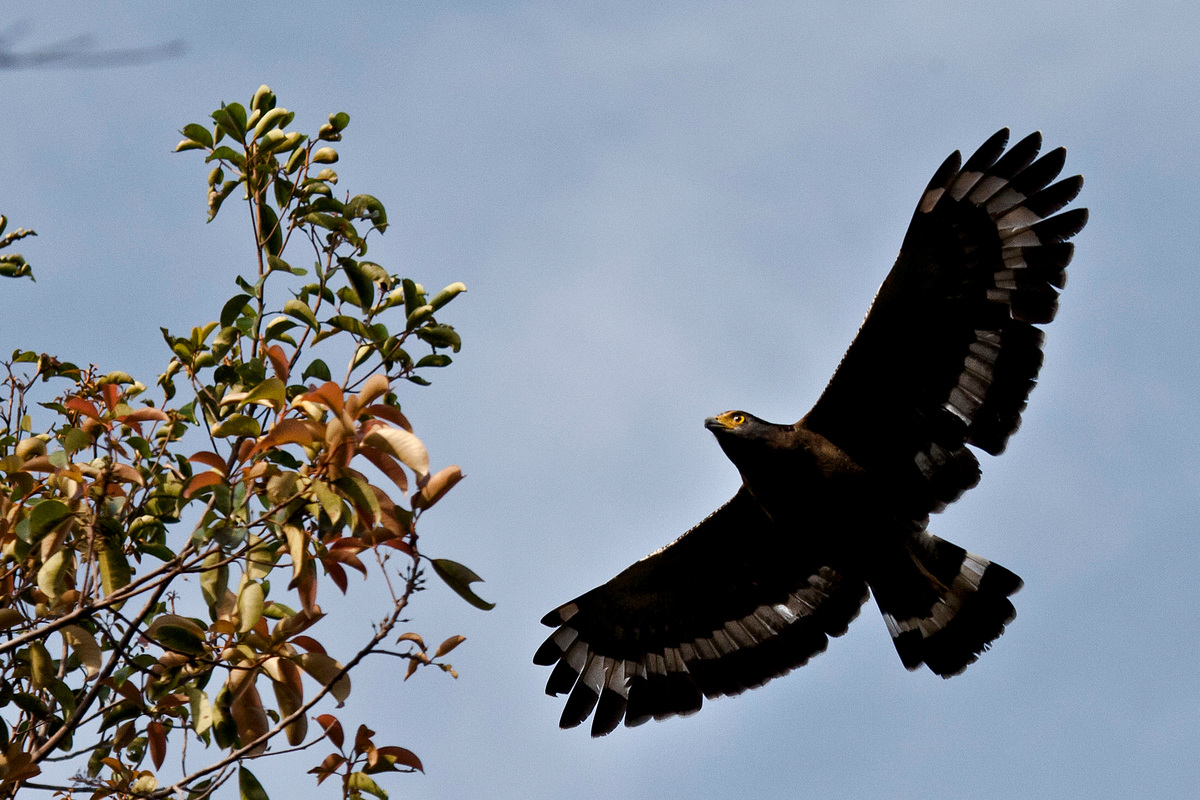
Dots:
pixel 163 561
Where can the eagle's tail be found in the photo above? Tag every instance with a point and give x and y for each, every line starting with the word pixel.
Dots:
pixel 943 605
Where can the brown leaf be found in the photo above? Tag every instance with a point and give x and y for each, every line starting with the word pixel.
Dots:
pixel 448 645
pixel 124 472
pixel 157 736
pixel 412 637
pixel 249 714
pixel 412 667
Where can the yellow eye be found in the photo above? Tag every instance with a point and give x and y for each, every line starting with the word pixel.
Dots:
pixel 737 419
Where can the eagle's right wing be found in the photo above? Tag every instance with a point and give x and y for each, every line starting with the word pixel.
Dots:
pixel 949 352
pixel 726 607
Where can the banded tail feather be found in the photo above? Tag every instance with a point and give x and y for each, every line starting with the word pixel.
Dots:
pixel 942 605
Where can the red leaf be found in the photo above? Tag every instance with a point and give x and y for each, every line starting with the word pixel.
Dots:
pixel 362 739
pixel 143 415
pixel 310 644
pixel 386 465
pixel 391 414
pixel 406 757
pixel 209 459
pixel 112 395
pixel 286 431
pixel 332 728
pixel 82 406
pixel 399 544
pixel 336 573
pixel 279 362
pixel 328 395
pixel 202 481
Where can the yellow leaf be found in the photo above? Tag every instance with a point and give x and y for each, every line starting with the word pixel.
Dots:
pixel 401 444
pixel 84 645
pixel 437 486
pixel 322 668
pixel 373 388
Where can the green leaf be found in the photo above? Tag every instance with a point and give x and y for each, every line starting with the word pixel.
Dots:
pixel 361 782
pixel 351 325
pixel 324 155
pixel 45 517
pixel 198 133
pixel 275 262
pixel 300 310
pixel 413 299
pixel 179 639
pixel 234 308
pixel 248 786
pixel 441 336
pixel 51 578
pixel 364 206
pixel 84 645
pixel 459 578
pixel 237 425
pixel 214 581
pixel 436 360
pixel 250 606
pixel 418 315
pixel 269 229
pixel 202 712
pixel 446 295
pixel 364 287
pixel 226 153
pixel 114 568
pixel 360 494
pixel 272 391
pixel 317 369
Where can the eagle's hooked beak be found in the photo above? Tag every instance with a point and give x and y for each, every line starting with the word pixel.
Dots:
pixel 726 421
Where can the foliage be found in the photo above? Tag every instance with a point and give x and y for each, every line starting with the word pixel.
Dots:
pixel 262 489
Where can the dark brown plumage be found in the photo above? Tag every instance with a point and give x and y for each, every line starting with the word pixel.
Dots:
pixel 835 506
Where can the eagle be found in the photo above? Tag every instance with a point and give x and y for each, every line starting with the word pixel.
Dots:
pixel 835 507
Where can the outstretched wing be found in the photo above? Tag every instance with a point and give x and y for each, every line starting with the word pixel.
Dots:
pixel 726 607
pixel 949 352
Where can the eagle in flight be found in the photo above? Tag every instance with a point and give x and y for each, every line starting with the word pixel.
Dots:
pixel 835 506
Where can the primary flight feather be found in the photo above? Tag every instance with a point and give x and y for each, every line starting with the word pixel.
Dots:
pixel 834 506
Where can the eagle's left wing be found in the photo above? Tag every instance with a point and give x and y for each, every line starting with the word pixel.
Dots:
pixel 726 607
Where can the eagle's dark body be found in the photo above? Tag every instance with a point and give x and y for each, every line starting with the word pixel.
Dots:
pixel 835 506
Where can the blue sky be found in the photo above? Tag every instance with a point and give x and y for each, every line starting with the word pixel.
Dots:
pixel 663 211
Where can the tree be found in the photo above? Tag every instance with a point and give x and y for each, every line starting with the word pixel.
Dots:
pixel 264 487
